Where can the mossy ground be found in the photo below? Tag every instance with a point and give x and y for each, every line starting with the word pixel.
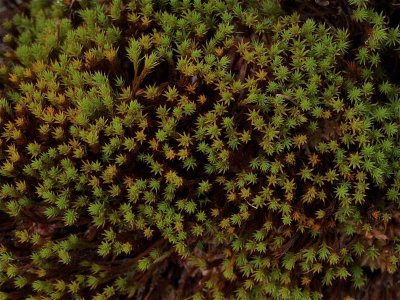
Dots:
pixel 158 149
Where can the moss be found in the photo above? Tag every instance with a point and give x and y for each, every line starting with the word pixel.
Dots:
pixel 215 149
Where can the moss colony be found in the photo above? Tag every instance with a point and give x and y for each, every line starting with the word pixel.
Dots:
pixel 168 149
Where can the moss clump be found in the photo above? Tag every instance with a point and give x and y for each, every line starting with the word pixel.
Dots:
pixel 204 149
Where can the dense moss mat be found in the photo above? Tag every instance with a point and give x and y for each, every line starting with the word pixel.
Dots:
pixel 168 149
